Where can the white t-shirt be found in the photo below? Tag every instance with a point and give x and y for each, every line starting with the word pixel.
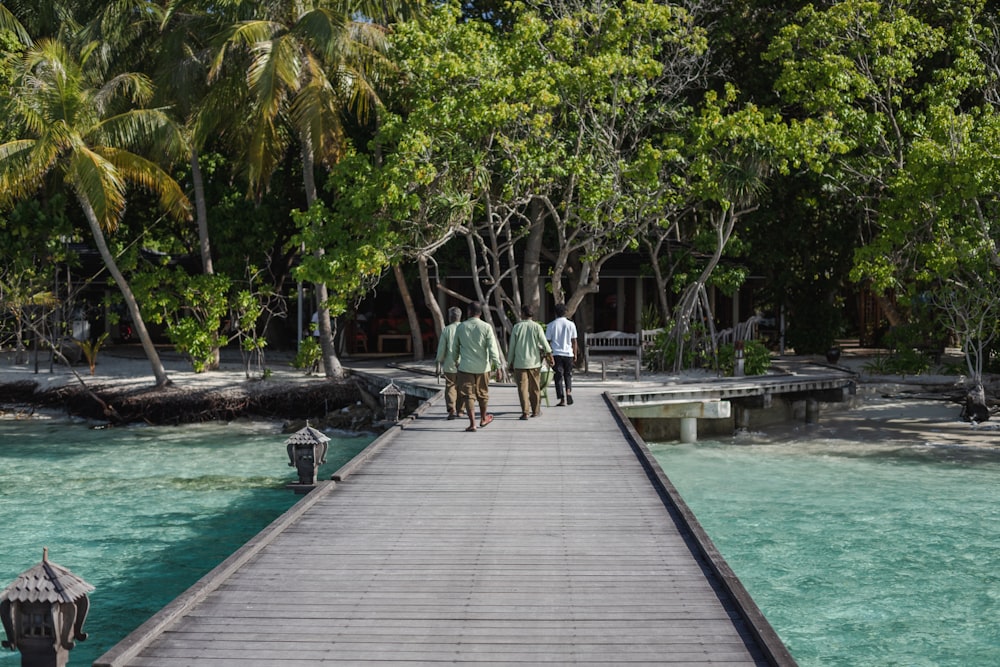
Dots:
pixel 561 332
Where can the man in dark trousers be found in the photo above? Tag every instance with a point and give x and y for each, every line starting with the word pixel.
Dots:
pixel 561 333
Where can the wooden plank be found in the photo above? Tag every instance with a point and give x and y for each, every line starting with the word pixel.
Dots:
pixel 523 543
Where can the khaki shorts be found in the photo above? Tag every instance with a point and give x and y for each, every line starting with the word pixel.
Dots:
pixel 474 385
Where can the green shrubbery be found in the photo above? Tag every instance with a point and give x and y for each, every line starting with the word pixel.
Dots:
pixel 309 354
pixel 756 358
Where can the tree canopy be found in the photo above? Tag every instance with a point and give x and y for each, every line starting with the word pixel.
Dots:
pixel 828 147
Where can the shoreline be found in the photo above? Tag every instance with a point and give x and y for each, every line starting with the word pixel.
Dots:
pixel 916 409
pixel 122 391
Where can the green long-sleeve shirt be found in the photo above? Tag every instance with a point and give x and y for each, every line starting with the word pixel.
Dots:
pixel 528 345
pixel 446 348
pixel 476 347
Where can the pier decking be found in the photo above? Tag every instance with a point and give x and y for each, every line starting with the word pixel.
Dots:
pixel 551 540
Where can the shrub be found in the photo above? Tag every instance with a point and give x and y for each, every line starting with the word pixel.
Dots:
pixel 664 351
pixel 308 355
pixel 905 361
pixel 756 358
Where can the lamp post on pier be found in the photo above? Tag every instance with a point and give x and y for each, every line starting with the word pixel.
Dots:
pixel 43 612
pixel 306 451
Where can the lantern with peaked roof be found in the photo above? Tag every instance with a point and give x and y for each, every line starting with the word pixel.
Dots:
pixel 306 451
pixel 43 612
pixel 392 401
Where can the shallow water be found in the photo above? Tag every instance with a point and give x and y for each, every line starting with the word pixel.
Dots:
pixel 858 554
pixel 141 513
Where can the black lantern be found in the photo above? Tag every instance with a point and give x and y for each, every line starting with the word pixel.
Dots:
pixel 306 451
pixel 43 613
pixel 392 401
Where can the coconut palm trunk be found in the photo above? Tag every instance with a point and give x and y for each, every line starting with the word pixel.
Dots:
pixel 332 368
pixel 159 373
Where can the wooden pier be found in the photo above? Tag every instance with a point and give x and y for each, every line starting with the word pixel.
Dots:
pixel 555 540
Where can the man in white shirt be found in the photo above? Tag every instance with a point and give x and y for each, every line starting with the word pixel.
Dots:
pixel 561 334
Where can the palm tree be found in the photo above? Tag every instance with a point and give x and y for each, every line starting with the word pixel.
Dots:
pixel 306 62
pixel 9 22
pixel 86 130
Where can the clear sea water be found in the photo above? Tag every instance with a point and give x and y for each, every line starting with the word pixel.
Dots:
pixel 141 513
pixel 858 554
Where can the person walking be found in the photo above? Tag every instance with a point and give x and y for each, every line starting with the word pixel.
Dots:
pixel 446 361
pixel 561 333
pixel 476 354
pixel 528 347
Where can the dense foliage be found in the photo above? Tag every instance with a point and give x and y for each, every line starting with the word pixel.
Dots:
pixel 217 155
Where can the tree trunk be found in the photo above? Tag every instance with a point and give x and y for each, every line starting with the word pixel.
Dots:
pixel 332 367
pixel 201 215
pixel 531 267
pixel 889 309
pixel 130 302
pixel 411 313
pixel 430 298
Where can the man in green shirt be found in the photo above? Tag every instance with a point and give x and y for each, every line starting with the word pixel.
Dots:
pixel 476 354
pixel 446 360
pixel 527 348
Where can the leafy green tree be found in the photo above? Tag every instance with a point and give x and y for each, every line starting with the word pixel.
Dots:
pixel 32 251
pixel 904 93
pixel 556 132
pixel 729 157
pixel 306 62
pixel 193 308
pixel 88 131
pixel 857 66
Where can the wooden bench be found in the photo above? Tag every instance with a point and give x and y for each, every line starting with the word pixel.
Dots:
pixel 611 341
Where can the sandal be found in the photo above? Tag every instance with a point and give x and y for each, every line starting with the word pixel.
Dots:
pixel 471 428
pixel 486 420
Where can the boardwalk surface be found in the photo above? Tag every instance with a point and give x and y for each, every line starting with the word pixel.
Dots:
pixel 527 542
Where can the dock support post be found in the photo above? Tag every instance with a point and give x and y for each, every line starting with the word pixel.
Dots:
pixel 689 429
pixel 742 416
pixel 812 411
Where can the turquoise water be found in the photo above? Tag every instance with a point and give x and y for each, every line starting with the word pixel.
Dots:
pixel 141 512
pixel 858 554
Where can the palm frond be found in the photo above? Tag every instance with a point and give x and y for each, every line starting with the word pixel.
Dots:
pixel 152 178
pixel 321 29
pixel 10 23
pixel 131 86
pixel 274 73
pixel 316 109
pixel 18 178
pixel 141 129
pixel 265 147
pixel 94 178
pixel 244 35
